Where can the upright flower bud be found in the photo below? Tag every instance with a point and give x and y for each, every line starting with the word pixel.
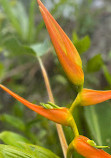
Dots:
pixel 82 146
pixel 91 97
pixel 61 115
pixel 65 50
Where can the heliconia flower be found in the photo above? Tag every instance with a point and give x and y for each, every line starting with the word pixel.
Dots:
pixel 65 50
pixel 82 146
pixel 92 97
pixel 61 115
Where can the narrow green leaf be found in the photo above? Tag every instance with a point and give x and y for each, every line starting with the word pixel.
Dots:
pixel 2 70
pixel 107 74
pixel 21 15
pixel 92 120
pixel 8 10
pixel 98 118
pixel 31 28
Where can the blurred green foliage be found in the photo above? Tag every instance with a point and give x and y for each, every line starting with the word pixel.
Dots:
pixel 23 39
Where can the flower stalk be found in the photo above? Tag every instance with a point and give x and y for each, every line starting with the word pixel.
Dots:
pixel 60 132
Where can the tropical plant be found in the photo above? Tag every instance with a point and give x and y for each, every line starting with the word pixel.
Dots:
pixel 70 60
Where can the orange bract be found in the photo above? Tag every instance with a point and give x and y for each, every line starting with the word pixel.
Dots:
pixel 86 150
pixel 57 115
pixel 65 50
pixel 91 97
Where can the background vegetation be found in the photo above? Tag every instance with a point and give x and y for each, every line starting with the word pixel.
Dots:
pixel 23 37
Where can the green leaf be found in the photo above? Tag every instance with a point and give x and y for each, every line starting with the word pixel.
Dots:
pixel 24 145
pixel 98 118
pixel 41 48
pixel 83 44
pixel 37 151
pixel 13 139
pixel 13 121
pixel 15 47
pixel 95 63
pixel 27 151
pixel 7 151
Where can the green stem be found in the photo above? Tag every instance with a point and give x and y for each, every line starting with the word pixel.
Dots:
pixel 75 103
pixel 74 127
pixel 70 150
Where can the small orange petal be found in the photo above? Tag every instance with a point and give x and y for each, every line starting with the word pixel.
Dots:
pixel 65 50
pixel 86 150
pixel 57 115
pixel 91 97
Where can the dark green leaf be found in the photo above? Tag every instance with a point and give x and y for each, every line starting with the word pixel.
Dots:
pixel 13 121
pixel 15 47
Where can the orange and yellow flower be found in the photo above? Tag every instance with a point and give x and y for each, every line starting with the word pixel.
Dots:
pixel 82 146
pixel 65 50
pixel 92 97
pixel 61 116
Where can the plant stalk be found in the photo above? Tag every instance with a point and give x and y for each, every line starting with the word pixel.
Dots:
pixel 51 98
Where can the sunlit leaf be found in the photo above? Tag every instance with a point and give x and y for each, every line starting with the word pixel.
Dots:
pixel 37 151
pixel 7 151
pixel 11 138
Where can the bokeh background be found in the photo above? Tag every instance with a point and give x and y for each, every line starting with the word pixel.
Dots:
pixel 24 38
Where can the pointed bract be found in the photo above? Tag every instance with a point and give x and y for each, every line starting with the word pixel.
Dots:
pixel 92 97
pixel 65 50
pixel 83 148
pixel 61 116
